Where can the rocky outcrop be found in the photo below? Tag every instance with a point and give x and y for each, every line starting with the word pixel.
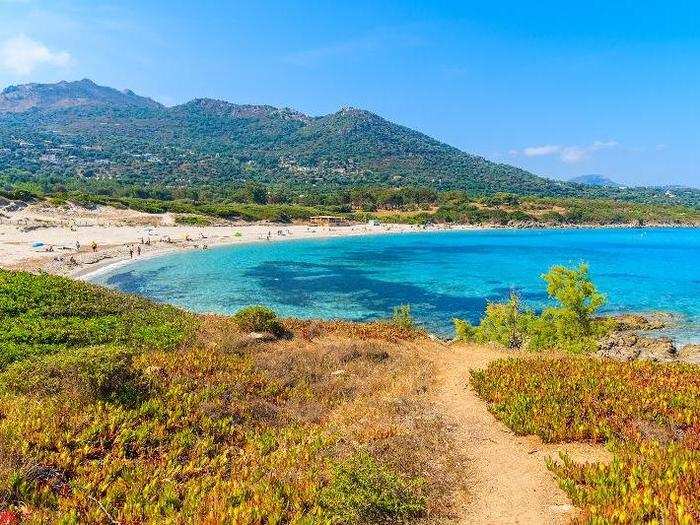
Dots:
pixel 690 354
pixel 10 206
pixel 625 346
pixel 655 321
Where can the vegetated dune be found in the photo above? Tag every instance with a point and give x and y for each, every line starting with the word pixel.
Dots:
pixel 114 409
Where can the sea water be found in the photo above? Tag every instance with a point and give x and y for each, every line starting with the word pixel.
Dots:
pixel 442 275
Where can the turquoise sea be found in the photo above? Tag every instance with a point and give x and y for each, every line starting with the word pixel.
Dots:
pixel 441 275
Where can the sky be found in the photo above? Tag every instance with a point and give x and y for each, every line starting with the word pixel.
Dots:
pixel 559 88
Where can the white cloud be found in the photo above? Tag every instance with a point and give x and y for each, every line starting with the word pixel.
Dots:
pixel 603 144
pixel 569 154
pixel 573 154
pixel 21 55
pixel 541 151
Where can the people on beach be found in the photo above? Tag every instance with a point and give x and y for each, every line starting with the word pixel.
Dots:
pixel 138 250
pixel 131 253
pixel 94 246
pixel 77 245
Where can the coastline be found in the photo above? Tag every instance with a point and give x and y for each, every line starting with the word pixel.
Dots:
pixel 157 235
pixel 59 253
pixel 149 236
pixel 85 274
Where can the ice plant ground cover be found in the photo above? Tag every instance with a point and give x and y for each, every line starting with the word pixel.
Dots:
pixel 648 413
pixel 116 409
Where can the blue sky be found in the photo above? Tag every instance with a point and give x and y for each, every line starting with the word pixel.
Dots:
pixel 559 88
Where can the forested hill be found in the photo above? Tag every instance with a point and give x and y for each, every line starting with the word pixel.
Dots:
pixel 79 130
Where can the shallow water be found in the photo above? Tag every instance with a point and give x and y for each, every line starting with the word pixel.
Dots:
pixel 440 274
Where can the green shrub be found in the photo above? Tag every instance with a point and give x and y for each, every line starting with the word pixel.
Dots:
pixel 258 318
pixel 504 323
pixel 104 374
pixel 193 220
pixel 464 330
pixel 571 326
pixel 402 317
pixel 41 314
pixel 362 491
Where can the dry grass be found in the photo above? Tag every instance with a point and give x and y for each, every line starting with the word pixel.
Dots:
pixel 369 385
pixel 113 409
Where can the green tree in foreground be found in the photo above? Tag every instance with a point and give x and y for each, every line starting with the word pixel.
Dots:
pixel 568 326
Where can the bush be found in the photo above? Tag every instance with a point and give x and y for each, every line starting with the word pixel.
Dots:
pixel 402 317
pixel 104 374
pixel 361 491
pixel 569 326
pixel 464 330
pixel 259 318
pixel 193 220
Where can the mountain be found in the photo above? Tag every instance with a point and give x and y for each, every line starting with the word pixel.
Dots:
pixel 595 180
pixel 17 99
pixel 83 134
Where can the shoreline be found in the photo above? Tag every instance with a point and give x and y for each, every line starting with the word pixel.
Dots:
pixel 84 274
pixel 115 239
pixel 158 236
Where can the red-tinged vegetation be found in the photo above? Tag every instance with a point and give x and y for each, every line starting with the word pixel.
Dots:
pixel 182 419
pixel 8 517
pixel 648 413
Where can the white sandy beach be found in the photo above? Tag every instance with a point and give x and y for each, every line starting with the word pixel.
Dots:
pixel 60 240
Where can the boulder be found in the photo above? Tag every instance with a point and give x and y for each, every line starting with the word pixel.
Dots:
pixel 627 346
pixel 657 349
pixel 620 346
pixel 690 354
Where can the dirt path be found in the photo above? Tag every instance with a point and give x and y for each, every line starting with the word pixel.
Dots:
pixel 508 480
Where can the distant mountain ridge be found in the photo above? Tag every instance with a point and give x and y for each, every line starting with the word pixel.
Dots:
pixel 17 99
pixel 595 180
pixel 83 131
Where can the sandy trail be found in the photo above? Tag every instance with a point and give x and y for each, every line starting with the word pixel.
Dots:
pixel 508 480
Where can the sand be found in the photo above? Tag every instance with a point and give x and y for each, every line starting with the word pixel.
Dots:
pixel 67 234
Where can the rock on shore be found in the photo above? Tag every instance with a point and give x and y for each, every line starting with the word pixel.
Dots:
pixel 628 346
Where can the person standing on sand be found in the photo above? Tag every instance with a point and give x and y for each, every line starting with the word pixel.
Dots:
pixel 138 250
pixel 77 245
pixel 94 246
pixel 131 253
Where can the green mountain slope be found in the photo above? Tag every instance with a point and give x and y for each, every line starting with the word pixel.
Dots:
pixel 80 129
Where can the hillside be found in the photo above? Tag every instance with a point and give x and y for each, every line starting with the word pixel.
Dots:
pixel 82 129
pixel 87 135
pixel 595 180
pixel 117 410
pixel 79 131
